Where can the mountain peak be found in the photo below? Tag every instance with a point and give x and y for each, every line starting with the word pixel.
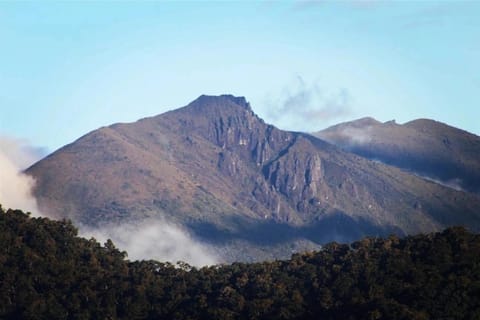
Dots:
pixel 364 122
pixel 221 100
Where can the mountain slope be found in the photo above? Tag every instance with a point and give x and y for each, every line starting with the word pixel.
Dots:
pixel 426 147
pixel 246 187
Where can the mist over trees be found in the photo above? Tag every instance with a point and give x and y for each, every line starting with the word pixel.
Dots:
pixel 47 272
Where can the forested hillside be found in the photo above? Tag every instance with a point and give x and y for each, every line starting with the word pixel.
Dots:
pixel 47 272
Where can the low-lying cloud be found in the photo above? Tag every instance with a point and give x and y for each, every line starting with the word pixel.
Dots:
pixel 306 107
pixel 358 135
pixel 455 183
pixel 157 239
pixel 347 137
pixel 15 186
pixel 20 152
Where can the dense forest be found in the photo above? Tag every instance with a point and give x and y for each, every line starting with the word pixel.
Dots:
pixel 47 272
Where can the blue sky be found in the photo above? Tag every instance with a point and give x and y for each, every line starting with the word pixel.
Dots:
pixel 67 68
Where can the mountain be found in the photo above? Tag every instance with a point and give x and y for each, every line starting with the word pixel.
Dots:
pixel 426 147
pixel 247 188
pixel 48 272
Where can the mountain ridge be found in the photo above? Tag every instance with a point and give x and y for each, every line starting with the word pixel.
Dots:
pixel 240 184
pixel 426 147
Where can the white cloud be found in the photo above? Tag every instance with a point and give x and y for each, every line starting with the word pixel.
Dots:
pixel 16 187
pixel 356 136
pixel 20 152
pixel 454 184
pixel 158 240
pixel 305 106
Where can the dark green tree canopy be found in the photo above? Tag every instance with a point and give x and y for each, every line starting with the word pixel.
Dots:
pixel 48 272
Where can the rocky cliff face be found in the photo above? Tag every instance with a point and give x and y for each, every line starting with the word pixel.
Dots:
pixel 250 189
